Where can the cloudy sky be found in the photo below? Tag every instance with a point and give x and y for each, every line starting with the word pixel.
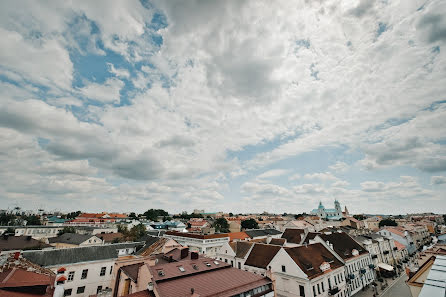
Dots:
pixel 223 105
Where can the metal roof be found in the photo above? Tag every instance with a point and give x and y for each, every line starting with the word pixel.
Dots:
pixel 435 284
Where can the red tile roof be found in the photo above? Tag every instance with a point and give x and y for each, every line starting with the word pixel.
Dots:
pixel 399 245
pixel 213 280
pixel 238 235
pixel 109 237
pixel 15 277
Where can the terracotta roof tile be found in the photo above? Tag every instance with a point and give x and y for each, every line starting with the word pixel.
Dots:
pixel 198 236
pixel 294 235
pixel 238 235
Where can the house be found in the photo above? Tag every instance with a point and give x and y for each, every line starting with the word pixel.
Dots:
pixel 235 226
pixel 299 224
pixel 352 222
pixel 83 271
pixel 201 276
pixel 310 270
pixel 70 240
pixel 430 279
pixel 202 244
pixel 236 236
pixel 111 237
pixel 357 260
pixel 263 233
pixel 400 235
pixel 38 232
pixel 20 278
pixel 196 223
pixel 259 258
pixel 10 243
pixel 372 223
pixel 235 253
pixel 54 221
pixel 294 236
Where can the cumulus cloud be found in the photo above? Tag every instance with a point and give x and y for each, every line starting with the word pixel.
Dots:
pixel 438 180
pixel 323 176
pixel 273 173
pixel 108 92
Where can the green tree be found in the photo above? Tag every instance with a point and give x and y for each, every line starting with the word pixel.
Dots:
pixel 9 230
pixel 387 222
pixel 32 220
pixel 74 214
pixel 250 224
pixel 359 217
pixel 67 229
pixel 132 215
pixel 137 232
pixel 221 225
pixel 7 219
pixel 153 214
pixel 231 214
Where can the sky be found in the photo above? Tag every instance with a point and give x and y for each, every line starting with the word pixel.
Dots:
pixel 241 106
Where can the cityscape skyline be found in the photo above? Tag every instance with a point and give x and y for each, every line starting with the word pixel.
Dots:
pixel 235 106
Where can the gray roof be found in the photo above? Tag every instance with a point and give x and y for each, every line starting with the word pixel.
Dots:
pixel 70 238
pixel 435 284
pixel 75 255
pixel 262 232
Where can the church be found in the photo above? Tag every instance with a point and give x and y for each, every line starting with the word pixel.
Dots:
pixel 329 213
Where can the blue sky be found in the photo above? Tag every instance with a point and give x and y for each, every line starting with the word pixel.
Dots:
pixel 242 106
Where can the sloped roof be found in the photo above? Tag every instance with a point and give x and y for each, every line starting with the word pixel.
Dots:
pixel 238 235
pixel 153 245
pixel 241 248
pixel 70 238
pixel 310 236
pixel 78 254
pixel 262 232
pixel 293 235
pixel 261 255
pixel 310 257
pixel 399 245
pixel 9 243
pixel 109 237
pixel 13 277
pixel 343 244
pixel 132 271
pixel 278 241
pixel 198 236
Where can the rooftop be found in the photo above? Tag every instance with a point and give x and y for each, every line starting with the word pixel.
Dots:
pixel 70 238
pixel 10 243
pixel 294 235
pixel 262 232
pixel 261 255
pixel 197 236
pixel 343 244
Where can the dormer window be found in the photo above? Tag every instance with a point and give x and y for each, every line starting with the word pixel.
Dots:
pixel 324 266
pixel 181 268
pixel 208 264
pixel 195 266
pixel 216 263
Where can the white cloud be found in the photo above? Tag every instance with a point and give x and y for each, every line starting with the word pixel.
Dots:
pixel 339 166
pixel 323 176
pixel 273 173
pixel 108 92
pixel 119 72
pixel 438 180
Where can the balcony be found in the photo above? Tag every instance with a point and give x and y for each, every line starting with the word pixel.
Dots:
pixel 374 256
pixel 333 291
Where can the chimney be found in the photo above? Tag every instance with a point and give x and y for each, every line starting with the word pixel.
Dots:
pixel 16 255
pixel 150 286
pixel 194 255
pixel 184 253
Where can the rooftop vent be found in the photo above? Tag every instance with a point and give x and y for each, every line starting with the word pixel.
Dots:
pixel 355 252
pixel 160 273
pixel 208 264
pixel 216 263
pixel 181 268
pixel 195 266
pixel 324 266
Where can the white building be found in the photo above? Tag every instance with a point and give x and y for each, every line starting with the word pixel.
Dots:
pixel 311 270
pixel 357 260
pixel 38 232
pixel 82 271
pixel 235 253
pixel 203 244
pixel 328 213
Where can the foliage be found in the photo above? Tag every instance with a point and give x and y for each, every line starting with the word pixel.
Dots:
pixel 250 224
pixel 74 214
pixel 187 216
pixel 134 233
pixel 221 225
pixel 7 219
pixel 387 222
pixel 359 217
pixel 166 219
pixel 32 220
pixel 9 230
pixel 153 214
pixel 301 215
pixel 231 214
pixel 132 215
pixel 67 229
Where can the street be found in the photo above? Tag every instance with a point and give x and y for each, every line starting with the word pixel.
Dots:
pixel 397 288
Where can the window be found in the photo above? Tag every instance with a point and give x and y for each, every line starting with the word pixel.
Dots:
pixel 329 284
pixel 70 276
pixel 283 268
pixel 301 291
pixel 314 291
pixel 67 292
pixel 103 269
pixel 181 268
pixel 232 263
pixel 322 285
pixel 226 260
pixel 60 282
pixel 111 269
pixel 99 289
pixel 84 274
pixel 80 290
pixel 318 289
pixel 239 265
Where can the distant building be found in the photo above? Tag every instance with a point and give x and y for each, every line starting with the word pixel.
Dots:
pixel 70 240
pixel 9 243
pixel 202 244
pixel 328 213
